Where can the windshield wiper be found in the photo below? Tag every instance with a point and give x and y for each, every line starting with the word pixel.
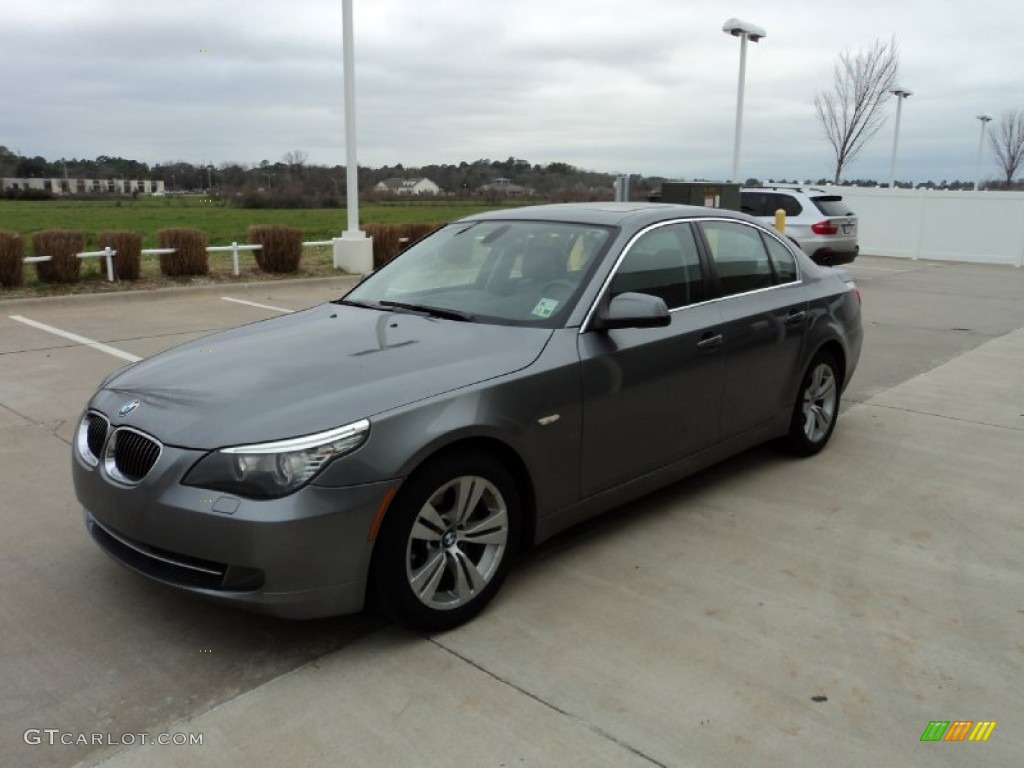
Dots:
pixel 356 303
pixel 447 314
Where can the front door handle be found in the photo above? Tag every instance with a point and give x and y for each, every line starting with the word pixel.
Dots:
pixel 710 340
pixel 796 317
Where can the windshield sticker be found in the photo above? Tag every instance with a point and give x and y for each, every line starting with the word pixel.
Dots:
pixel 544 308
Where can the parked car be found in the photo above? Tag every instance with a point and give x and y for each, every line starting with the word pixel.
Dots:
pixel 508 376
pixel 819 222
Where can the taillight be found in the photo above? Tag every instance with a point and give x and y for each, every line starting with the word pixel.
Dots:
pixel 855 290
pixel 824 227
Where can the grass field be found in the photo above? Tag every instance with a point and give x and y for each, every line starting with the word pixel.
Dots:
pixel 223 224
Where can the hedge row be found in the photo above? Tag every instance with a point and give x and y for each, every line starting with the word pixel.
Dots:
pixel 281 251
pixel 389 239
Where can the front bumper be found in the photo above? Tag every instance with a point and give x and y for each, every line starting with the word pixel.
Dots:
pixel 305 555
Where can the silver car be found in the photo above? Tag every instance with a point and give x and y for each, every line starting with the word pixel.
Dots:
pixel 820 222
pixel 510 375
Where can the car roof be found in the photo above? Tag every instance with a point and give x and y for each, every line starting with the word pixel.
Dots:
pixel 810 191
pixel 608 214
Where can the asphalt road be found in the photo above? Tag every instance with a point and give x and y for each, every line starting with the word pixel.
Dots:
pixel 691 628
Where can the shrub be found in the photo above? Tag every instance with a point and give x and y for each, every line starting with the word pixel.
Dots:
pixel 63 246
pixel 129 252
pixel 282 248
pixel 413 231
pixel 12 251
pixel 28 194
pixel 385 242
pixel 190 258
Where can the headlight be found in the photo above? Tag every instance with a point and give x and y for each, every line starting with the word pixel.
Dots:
pixel 269 470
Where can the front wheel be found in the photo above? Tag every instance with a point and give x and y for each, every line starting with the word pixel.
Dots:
pixel 447 542
pixel 816 407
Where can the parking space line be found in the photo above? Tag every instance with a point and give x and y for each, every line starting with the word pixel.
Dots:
pixel 77 339
pixel 254 304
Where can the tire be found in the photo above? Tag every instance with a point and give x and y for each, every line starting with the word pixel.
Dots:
pixel 816 408
pixel 446 542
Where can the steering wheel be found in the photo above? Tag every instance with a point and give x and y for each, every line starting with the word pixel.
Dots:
pixel 557 289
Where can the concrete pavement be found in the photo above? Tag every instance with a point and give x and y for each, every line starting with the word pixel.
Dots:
pixel 701 626
pixel 770 612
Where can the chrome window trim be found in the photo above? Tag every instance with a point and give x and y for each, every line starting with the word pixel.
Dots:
pixel 585 325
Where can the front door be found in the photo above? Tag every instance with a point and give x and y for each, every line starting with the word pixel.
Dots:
pixel 652 396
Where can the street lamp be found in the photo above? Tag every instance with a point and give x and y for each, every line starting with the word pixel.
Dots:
pixel 744 30
pixel 985 120
pixel 900 94
pixel 353 251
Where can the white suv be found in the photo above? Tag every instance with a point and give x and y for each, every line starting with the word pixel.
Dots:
pixel 820 223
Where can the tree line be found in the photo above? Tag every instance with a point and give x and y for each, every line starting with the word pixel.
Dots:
pixel 294 178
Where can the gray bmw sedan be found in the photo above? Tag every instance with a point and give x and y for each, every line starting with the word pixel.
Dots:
pixel 511 374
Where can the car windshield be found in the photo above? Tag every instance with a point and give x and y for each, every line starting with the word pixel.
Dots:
pixel 493 271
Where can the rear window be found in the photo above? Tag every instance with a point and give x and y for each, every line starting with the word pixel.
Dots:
pixel 832 205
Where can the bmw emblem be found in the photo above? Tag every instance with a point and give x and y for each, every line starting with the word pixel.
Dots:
pixel 128 407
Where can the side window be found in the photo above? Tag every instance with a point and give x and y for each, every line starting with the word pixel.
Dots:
pixel 662 262
pixel 788 203
pixel 753 203
pixel 739 255
pixel 782 260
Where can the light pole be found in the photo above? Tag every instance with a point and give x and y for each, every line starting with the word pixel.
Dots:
pixel 744 30
pixel 353 251
pixel 985 120
pixel 900 94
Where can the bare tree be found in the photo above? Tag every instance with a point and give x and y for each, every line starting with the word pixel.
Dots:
pixel 296 158
pixel 1008 143
pixel 851 113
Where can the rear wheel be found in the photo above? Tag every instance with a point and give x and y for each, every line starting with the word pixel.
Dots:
pixel 816 407
pixel 447 541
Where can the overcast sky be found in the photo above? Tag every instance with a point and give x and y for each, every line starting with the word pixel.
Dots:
pixel 641 86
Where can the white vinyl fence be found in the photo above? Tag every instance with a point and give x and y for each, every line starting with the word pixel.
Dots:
pixel 982 227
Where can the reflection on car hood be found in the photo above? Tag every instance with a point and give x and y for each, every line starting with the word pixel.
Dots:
pixel 307 372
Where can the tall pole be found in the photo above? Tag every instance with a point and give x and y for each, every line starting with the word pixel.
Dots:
pixel 353 251
pixel 901 94
pixel 739 109
pixel 981 142
pixel 352 171
pixel 745 31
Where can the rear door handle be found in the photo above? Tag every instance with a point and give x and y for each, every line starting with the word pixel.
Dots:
pixel 710 340
pixel 795 317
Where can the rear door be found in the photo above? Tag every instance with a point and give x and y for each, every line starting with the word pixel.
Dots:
pixel 764 316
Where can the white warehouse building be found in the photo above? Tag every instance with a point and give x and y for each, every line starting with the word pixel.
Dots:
pixel 88 186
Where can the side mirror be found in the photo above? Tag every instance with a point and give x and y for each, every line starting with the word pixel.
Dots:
pixel 633 310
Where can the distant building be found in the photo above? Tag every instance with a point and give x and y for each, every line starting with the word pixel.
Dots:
pixel 88 186
pixel 420 186
pixel 503 186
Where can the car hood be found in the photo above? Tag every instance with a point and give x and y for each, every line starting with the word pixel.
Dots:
pixel 307 372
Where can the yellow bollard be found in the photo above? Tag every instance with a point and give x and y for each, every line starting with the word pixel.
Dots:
pixel 780 221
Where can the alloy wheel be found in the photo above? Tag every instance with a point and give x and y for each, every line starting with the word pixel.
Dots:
pixel 819 404
pixel 457 542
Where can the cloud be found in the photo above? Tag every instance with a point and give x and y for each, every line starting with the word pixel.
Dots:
pixel 647 86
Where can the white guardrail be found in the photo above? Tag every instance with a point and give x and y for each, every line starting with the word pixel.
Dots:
pixel 109 253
